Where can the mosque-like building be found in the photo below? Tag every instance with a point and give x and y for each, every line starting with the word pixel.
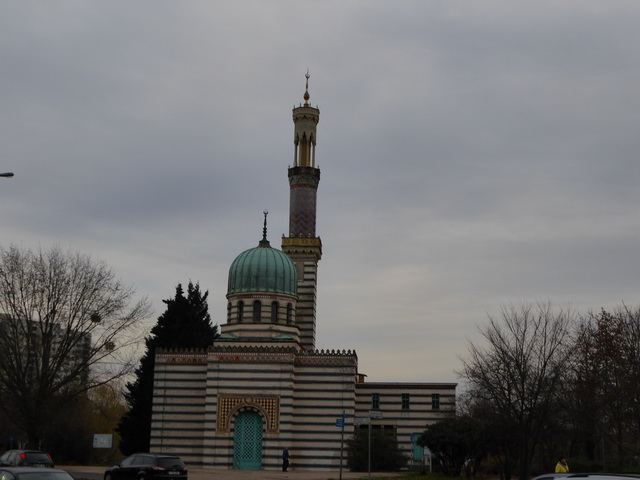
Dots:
pixel 263 385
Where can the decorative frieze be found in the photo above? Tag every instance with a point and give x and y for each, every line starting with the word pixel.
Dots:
pixel 230 404
pixel 181 357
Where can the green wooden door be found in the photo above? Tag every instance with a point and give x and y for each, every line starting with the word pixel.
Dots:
pixel 247 441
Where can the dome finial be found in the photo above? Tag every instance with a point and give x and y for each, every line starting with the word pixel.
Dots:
pixel 306 91
pixel 264 242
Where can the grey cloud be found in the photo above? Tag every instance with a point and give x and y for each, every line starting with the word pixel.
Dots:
pixel 471 153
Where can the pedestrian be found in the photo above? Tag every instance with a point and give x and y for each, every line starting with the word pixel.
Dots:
pixel 561 466
pixel 285 459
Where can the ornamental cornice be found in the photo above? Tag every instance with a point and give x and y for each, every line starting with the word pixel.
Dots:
pixel 335 361
pixel 262 295
pixel 260 354
pixel 301 242
pixel 306 112
pixel 330 353
pixel 242 350
pixel 182 356
pixel 327 357
pixel 187 350
pixel 256 358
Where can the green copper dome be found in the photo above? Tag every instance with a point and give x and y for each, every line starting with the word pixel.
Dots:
pixel 262 269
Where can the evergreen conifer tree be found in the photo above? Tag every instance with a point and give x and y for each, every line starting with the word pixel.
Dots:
pixel 186 323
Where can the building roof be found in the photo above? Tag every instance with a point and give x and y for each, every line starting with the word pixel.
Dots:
pixel 262 269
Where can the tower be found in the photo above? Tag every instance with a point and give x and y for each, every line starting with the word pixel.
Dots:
pixel 302 245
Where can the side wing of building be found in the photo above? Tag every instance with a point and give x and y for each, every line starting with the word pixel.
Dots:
pixel 405 409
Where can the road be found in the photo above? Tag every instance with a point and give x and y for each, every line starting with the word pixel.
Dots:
pixel 97 473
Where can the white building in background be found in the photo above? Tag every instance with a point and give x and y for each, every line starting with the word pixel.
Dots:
pixel 263 385
pixel 46 348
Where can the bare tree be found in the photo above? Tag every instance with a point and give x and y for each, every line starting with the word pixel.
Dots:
pixel 67 325
pixel 629 361
pixel 518 372
pixel 605 379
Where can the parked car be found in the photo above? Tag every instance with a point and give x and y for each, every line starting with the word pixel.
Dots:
pixel 551 476
pixel 32 473
pixel 589 476
pixel 26 458
pixel 605 476
pixel 148 466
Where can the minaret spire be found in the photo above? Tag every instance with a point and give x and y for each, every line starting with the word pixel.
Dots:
pixel 264 242
pixel 302 245
pixel 306 90
pixel 305 118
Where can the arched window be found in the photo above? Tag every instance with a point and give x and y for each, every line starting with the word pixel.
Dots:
pixel 240 312
pixel 289 313
pixel 256 311
pixel 274 312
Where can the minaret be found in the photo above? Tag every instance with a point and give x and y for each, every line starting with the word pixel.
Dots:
pixel 302 245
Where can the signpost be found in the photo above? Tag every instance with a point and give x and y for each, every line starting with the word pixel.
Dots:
pixel 340 423
pixel 357 421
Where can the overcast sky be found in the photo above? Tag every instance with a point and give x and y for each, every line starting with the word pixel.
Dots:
pixel 473 154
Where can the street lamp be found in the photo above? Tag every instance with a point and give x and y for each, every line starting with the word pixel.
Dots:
pixel 6 175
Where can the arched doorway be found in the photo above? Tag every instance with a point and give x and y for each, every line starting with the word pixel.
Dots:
pixel 247 441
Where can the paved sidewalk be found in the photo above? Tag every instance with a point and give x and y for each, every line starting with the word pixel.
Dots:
pixel 93 473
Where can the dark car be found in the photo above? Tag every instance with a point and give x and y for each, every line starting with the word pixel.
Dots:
pixel 148 466
pixel 31 473
pixel 26 458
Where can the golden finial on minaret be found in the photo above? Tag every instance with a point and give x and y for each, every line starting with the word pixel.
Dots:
pixel 306 92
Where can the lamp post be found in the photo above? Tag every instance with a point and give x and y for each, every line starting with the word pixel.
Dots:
pixel 7 174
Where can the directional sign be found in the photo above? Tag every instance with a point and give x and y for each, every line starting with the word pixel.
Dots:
pixel 339 422
pixel 357 421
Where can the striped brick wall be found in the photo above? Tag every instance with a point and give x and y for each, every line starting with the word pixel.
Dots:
pixel 306 306
pixel 246 378
pixel 324 391
pixel 420 411
pixel 299 395
pixel 178 422
pixel 305 254
pixel 300 398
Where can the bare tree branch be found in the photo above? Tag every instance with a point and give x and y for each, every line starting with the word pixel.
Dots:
pixel 519 368
pixel 67 326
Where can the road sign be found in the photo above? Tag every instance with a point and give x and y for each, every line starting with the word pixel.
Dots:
pixel 102 440
pixel 357 421
pixel 339 422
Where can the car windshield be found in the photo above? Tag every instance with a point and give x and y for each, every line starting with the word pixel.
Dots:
pixel 43 476
pixel 168 462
